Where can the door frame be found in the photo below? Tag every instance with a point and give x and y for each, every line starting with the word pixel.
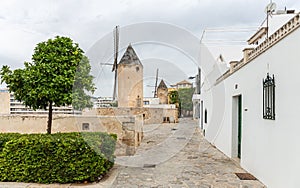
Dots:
pixel 237 116
pixel 202 114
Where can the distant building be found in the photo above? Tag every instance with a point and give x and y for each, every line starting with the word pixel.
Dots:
pixel 100 102
pixel 183 84
pixel 162 99
pixel 149 101
pixel 130 80
pixel 8 105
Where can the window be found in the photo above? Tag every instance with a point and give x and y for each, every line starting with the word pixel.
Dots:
pixel 85 126
pixel 269 97
pixel 138 101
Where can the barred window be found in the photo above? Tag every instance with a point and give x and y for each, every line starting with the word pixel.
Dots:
pixel 269 97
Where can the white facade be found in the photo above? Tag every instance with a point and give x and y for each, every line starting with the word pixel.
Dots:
pixel 269 148
pixel 103 102
pixel 150 102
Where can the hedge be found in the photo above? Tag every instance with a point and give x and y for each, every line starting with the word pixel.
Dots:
pixel 5 137
pixel 56 158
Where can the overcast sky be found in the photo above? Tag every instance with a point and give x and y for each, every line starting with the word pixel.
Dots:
pixel 25 23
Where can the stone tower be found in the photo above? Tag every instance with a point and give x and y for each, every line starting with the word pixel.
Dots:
pixel 130 80
pixel 162 92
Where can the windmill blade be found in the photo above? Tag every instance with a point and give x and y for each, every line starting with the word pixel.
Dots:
pixel 115 65
pixel 155 89
pixel 116 47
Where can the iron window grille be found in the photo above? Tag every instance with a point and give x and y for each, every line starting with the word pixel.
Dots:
pixel 269 97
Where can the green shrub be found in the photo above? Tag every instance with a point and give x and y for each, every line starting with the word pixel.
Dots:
pixel 56 158
pixel 5 137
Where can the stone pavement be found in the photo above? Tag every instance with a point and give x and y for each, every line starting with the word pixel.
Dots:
pixel 195 162
pixel 171 155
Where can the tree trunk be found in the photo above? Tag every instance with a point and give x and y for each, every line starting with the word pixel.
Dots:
pixel 49 126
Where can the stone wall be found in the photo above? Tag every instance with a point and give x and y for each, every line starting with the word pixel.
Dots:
pixel 129 129
pixel 150 115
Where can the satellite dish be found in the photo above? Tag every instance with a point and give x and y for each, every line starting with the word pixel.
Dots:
pixel 270 8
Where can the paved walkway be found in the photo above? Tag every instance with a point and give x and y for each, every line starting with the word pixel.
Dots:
pixel 171 155
pixel 177 155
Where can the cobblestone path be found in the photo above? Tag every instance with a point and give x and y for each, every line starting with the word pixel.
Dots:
pixel 194 163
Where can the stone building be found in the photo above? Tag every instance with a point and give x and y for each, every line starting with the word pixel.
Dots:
pixel 183 84
pixel 162 92
pixel 130 80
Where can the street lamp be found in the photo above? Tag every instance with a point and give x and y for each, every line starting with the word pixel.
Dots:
pixel 198 81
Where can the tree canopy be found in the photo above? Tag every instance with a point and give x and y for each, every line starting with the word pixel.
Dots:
pixel 185 97
pixel 57 76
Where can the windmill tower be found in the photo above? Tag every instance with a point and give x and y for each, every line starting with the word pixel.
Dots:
pixel 162 92
pixel 130 80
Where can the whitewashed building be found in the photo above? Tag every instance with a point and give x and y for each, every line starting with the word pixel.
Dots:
pixel 250 112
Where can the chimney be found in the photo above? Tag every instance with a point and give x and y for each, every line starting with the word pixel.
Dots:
pixel 290 11
pixel 246 54
pixel 232 65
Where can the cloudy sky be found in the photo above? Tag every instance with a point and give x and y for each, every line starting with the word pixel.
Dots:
pixel 88 22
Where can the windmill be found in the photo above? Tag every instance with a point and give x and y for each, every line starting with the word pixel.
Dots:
pixel 115 65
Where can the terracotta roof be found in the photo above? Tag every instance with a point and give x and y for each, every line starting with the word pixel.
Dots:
pixel 130 57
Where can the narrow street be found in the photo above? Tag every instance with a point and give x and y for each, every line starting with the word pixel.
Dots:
pixel 177 155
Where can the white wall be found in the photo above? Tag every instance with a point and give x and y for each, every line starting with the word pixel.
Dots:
pixel 270 148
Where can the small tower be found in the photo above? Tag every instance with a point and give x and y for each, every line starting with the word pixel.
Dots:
pixel 162 92
pixel 130 80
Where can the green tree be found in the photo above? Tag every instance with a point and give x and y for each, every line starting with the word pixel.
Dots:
pixel 57 65
pixel 83 83
pixel 185 98
pixel 174 99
